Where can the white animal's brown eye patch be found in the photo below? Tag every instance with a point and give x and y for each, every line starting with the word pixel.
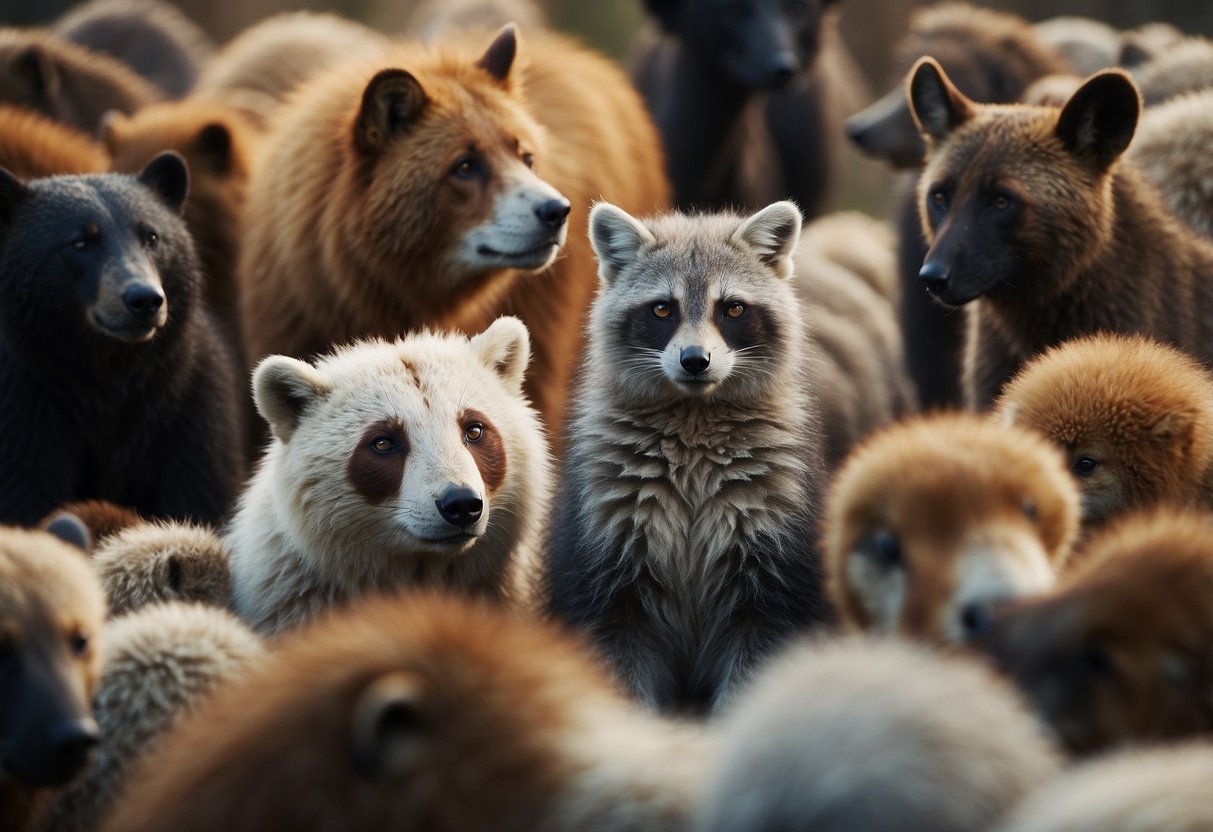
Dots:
pixel 488 451
pixel 376 467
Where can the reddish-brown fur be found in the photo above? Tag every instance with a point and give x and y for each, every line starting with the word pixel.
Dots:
pixel 342 246
pixel 1123 650
pixel 485 735
pixel 1142 412
pixel 101 517
pixel 32 146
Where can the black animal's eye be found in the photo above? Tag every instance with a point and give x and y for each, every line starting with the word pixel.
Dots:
pixel 1095 660
pixel 473 432
pixel 90 236
pixel 939 198
pixel 79 644
pixel 383 445
pixel 662 309
pixel 1000 202
pixel 80 244
pixel 734 310
pixel 1085 466
pixel 467 167
pixel 150 238
pixel 528 159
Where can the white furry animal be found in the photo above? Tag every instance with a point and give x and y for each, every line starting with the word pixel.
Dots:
pixel 873 735
pixel 412 462
pixel 158 664
pixel 1162 789
pixel 1172 148
pixel 684 541
pixel 163 561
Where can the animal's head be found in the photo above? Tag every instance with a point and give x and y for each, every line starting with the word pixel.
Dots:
pixel 94 252
pixel 1014 198
pixel 757 44
pixel 417 445
pixel 1121 651
pixel 449 159
pixel 933 523
pixel 51 615
pixel 1134 418
pixel 695 306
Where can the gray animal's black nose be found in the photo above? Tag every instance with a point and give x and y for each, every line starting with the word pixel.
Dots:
pixel 553 212
pixel 143 300
pixel 460 506
pixel 694 359
pixel 935 276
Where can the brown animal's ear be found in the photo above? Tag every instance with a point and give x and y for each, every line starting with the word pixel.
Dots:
pixel 34 66
pixel 389 726
pixel 937 106
pixel 499 57
pixel 214 145
pixel 283 388
pixel 1098 121
pixel 390 103
pixel 13 192
pixel 169 178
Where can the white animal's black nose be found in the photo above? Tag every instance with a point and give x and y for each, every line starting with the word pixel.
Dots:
pixel 553 212
pixel 694 359
pixel 460 506
pixel 143 300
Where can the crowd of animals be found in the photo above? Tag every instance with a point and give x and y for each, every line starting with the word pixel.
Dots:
pixel 441 430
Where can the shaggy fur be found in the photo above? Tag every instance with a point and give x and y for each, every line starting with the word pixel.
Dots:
pixel 1172 148
pixel 424 713
pixel 433 19
pixel 158 666
pixel 1087 45
pixel 1121 652
pixel 1037 224
pixel 934 521
pixel 684 541
pixel 51 616
pixel 67 82
pixel 154 562
pixel 334 513
pixel 152 37
pixel 879 736
pixel 397 193
pixel 33 146
pixel 1180 69
pixel 1153 790
pixel 101 518
pixel 1134 418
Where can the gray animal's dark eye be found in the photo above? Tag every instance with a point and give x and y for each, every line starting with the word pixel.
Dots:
pixel 734 310
pixel 661 310
pixel 151 239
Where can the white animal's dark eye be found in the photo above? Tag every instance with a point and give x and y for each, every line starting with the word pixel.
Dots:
pixel 661 310
pixel 1086 466
pixel 473 432
pixel 383 445
pixel 78 643
pixel 734 310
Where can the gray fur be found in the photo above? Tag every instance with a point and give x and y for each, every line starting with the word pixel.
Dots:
pixel 684 535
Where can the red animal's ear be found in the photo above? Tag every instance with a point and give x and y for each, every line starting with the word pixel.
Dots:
pixel 1099 120
pixel 391 102
pixel 937 106
pixel 499 57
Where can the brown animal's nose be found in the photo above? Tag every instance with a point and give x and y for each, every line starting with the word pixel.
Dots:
pixel 553 212
pixel 935 276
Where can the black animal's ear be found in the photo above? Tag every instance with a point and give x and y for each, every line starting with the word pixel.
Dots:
pixel 1099 120
pixel 13 192
pixel 937 106
pixel 169 178
pixel 391 101
pixel 71 530
pixel 389 725
pixel 499 57
pixel 667 13
pixel 36 69
pixel 283 387
pixel 617 238
pixel 214 144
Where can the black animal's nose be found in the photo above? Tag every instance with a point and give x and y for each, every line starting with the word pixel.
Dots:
pixel 935 277
pixel 69 745
pixel 143 300
pixel 694 359
pixel 553 212
pixel 975 618
pixel 460 506
pixel 783 68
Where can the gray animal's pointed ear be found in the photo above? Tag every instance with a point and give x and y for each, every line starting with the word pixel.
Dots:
pixel 617 238
pixel 169 179
pixel 388 733
pixel 937 106
pixel 772 234
pixel 283 388
pixel 13 193
pixel 498 59
pixel 391 102
pixel 505 347
pixel 1099 120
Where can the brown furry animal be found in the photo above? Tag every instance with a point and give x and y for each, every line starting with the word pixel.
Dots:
pixel 420 713
pixel 165 561
pixel 1172 147
pixel 33 145
pixel 158 665
pixel 934 521
pixel 101 518
pixel 1134 418
pixel 67 82
pixel 397 192
pixel 1036 222
pixel 1121 652
pixel 51 615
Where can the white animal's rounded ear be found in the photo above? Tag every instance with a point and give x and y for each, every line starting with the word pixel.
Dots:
pixel 283 387
pixel 389 728
pixel 617 238
pixel 505 347
pixel 772 234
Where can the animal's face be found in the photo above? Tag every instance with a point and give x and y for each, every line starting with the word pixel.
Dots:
pixel 467 150
pixel 692 308
pixel 759 44
pixel 51 613
pixel 99 245
pixel 399 447
pixel 1013 198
